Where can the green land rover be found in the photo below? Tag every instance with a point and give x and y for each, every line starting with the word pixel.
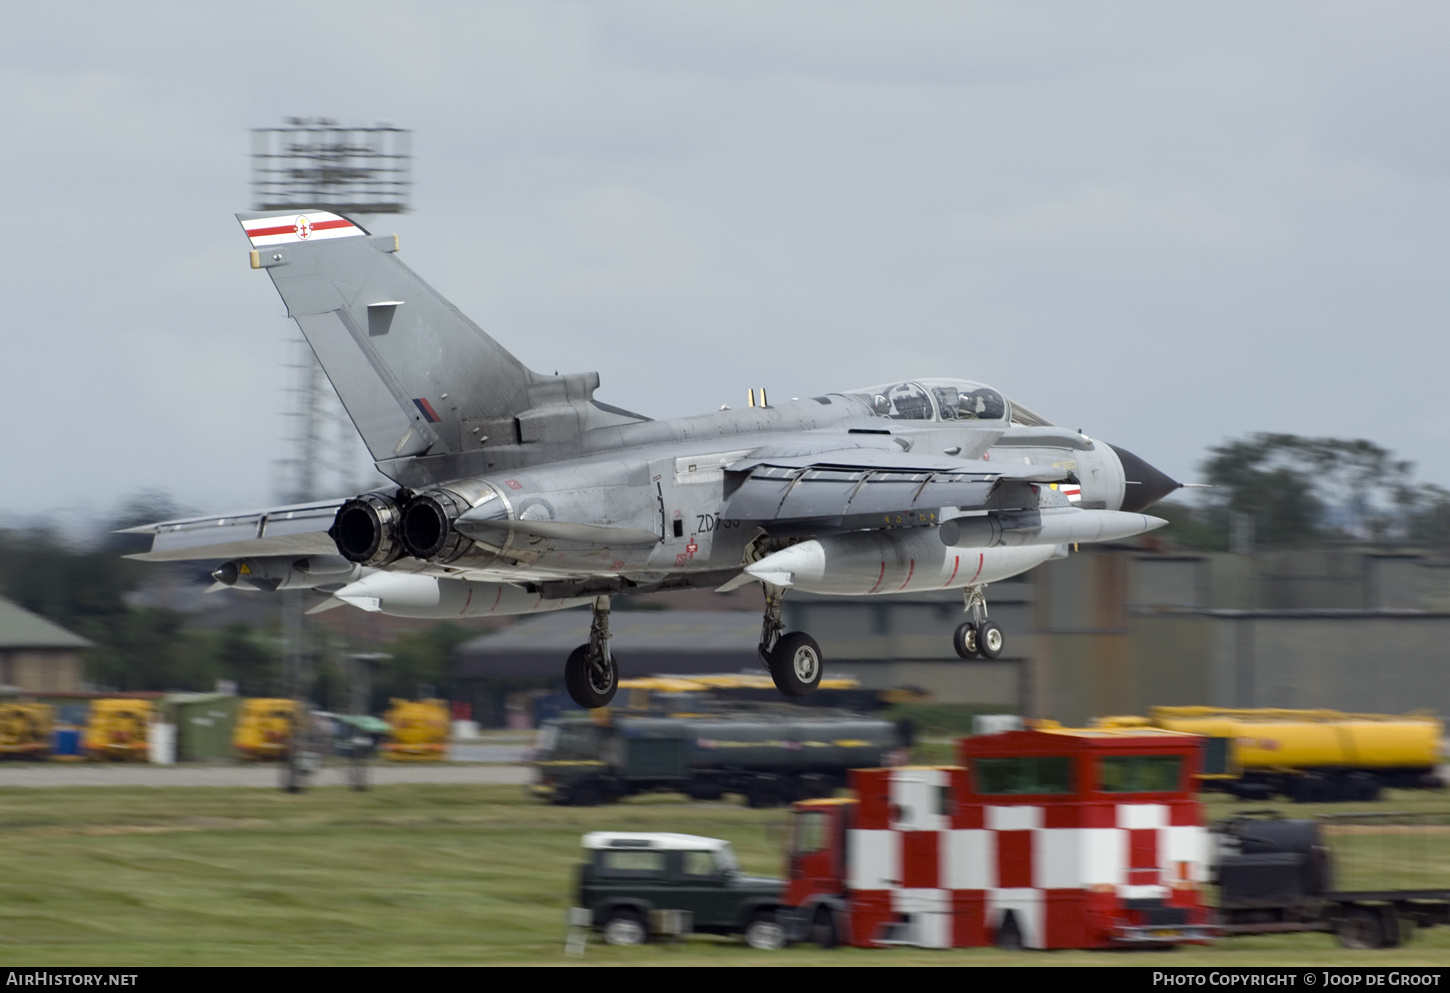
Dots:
pixel 634 886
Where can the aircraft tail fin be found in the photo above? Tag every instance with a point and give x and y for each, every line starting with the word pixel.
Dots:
pixel 416 376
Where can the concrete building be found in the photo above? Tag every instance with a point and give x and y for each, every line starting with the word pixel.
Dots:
pixel 37 656
pixel 1119 629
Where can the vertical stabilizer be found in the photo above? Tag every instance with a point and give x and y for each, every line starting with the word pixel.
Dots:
pixel 410 369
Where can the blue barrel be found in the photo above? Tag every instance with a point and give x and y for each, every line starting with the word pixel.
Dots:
pixel 66 741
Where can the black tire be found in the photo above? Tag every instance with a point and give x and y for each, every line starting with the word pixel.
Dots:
pixel 823 928
pixel 1009 935
pixel 704 789
pixel 764 933
pixel 625 927
pixel 590 686
pixel 1361 927
pixel 814 786
pixel 762 794
pixel 964 640
pixel 585 794
pixel 990 640
pixel 795 664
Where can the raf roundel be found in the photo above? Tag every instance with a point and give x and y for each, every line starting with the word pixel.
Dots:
pixel 303 227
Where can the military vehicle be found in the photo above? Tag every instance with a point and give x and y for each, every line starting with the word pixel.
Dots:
pixel 515 492
pixel 768 757
pixel 631 882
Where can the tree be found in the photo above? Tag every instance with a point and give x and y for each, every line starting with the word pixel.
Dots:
pixel 1295 489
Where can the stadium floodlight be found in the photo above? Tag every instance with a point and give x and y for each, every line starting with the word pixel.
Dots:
pixel 315 162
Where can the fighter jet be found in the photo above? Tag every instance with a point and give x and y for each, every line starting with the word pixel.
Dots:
pixel 516 492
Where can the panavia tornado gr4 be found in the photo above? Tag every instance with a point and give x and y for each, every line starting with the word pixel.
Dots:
pixel 516 492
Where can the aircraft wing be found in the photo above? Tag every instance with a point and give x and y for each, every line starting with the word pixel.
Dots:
pixel 299 529
pixel 859 489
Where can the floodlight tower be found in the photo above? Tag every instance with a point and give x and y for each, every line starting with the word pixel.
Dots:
pixel 316 164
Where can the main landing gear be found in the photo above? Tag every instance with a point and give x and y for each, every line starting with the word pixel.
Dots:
pixel 793 660
pixel 591 674
pixel 978 636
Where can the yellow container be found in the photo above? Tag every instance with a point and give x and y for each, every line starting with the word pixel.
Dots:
pixel 419 731
pixel 1287 740
pixel 116 730
pixel 264 729
pixel 25 730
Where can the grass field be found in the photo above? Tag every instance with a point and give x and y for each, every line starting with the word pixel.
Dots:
pixel 416 875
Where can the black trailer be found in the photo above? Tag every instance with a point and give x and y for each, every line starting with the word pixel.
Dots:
pixel 770 756
pixel 1370 878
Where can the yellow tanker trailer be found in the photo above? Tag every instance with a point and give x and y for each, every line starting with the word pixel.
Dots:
pixel 1308 755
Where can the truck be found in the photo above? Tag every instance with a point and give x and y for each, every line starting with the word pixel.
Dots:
pixel 1309 756
pixel 263 732
pixel 1040 838
pixel 418 731
pixel 770 756
pixel 116 730
pixel 25 730
pixel 634 886
pixel 1371 878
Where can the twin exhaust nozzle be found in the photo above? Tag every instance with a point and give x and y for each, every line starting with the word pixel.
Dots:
pixel 374 529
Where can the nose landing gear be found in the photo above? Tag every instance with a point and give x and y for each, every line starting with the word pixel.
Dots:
pixel 793 660
pixel 978 636
pixel 591 674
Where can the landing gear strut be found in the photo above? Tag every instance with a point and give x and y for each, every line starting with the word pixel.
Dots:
pixel 591 675
pixel 978 636
pixel 793 660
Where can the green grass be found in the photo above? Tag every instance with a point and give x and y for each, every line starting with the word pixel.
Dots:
pixel 405 875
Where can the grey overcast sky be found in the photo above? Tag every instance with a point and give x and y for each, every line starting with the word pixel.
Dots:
pixel 1165 224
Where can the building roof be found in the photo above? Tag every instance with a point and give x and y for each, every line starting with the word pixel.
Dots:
pixel 19 628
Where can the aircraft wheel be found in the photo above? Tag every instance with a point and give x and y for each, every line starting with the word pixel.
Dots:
pixel 795 664
pixel 964 640
pixel 989 640
pixel 590 684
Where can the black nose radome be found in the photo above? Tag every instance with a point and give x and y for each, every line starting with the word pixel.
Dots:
pixel 1146 485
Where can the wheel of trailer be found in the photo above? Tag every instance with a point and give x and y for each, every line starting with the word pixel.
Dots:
pixel 1361 927
pixel 585 794
pixel 814 786
pixel 625 927
pixel 764 932
pixel 1362 786
pixel 704 789
pixel 1009 935
pixel 795 664
pixel 762 793
pixel 964 640
pixel 990 640
pixel 590 684
pixel 823 928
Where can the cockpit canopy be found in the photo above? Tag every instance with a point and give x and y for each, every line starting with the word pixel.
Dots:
pixel 941 400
